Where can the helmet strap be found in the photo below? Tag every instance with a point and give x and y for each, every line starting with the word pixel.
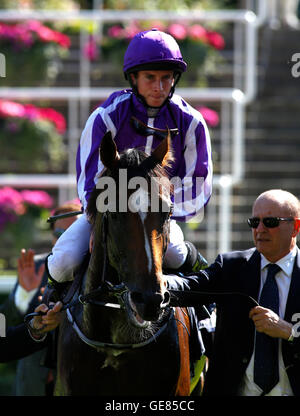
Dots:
pixel 177 76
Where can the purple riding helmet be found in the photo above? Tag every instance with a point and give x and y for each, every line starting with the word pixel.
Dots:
pixel 153 50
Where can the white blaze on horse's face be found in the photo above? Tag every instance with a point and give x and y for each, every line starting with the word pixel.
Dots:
pixel 139 200
pixel 143 216
pixel 140 204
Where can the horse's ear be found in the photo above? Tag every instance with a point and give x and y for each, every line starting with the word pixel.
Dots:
pixel 163 152
pixel 108 151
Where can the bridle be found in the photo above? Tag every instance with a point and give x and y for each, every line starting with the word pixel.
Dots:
pixel 119 291
pixel 105 288
pixel 100 345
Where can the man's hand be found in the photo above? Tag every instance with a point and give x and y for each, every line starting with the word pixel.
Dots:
pixel 27 276
pixel 45 323
pixel 267 321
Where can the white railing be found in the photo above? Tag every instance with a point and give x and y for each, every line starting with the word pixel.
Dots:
pixel 7 283
pixel 238 98
pixel 289 12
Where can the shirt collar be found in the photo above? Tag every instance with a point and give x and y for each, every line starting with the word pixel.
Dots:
pixel 286 263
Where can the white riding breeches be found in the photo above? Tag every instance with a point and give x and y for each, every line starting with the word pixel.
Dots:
pixel 177 251
pixel 72 246
pixel 70 250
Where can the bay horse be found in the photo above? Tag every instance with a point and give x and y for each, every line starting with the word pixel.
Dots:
pixel 122 338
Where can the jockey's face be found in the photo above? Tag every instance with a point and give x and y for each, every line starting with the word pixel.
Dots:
pixel 154 86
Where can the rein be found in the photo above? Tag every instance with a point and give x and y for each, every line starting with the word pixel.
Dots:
pixel 99 345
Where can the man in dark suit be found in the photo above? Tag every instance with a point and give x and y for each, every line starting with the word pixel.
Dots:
pixel 234 361
pixel 33 376
pixel 23 340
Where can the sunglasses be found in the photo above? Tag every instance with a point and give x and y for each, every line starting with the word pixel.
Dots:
pixel 269 222
pixel 146 130
pixel 58 232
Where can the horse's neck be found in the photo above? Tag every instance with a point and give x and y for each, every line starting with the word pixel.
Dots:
pixel 94 272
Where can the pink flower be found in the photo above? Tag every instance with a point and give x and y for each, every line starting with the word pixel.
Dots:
pixel 198 32
pixel 210 116
pixel 91 51
pixel 215 39
pixel 131 30
pixel 53 116
pixel 11 109
pixel 48 35
pixel 11 201
pixel 63 40
pixel 25 34
pixel 116 32
pixel 37 198
pixel 178 31
pixel 45 34
pixel 30 112
pixel 33 25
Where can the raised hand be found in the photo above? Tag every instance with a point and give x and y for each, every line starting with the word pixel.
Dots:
pixel 29 279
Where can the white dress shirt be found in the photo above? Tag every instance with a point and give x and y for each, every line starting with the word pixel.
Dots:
pixel 283 279
pixel 23 298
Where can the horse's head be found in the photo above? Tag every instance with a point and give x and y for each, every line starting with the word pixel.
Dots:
pixel 133 210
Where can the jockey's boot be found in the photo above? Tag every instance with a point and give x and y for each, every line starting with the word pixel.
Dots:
pixel 194 260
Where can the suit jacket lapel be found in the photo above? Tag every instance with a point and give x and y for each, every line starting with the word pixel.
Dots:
pixel 293 300
pixel 250 275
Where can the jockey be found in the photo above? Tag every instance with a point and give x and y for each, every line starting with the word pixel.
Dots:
pixel 152 65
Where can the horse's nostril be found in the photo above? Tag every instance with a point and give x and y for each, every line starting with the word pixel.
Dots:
pixel 137 297
pixel 155 299
pixel 166 299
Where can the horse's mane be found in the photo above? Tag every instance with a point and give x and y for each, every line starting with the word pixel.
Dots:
pixel 129 159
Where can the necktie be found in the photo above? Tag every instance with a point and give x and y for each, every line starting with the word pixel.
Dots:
pixel 266 374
